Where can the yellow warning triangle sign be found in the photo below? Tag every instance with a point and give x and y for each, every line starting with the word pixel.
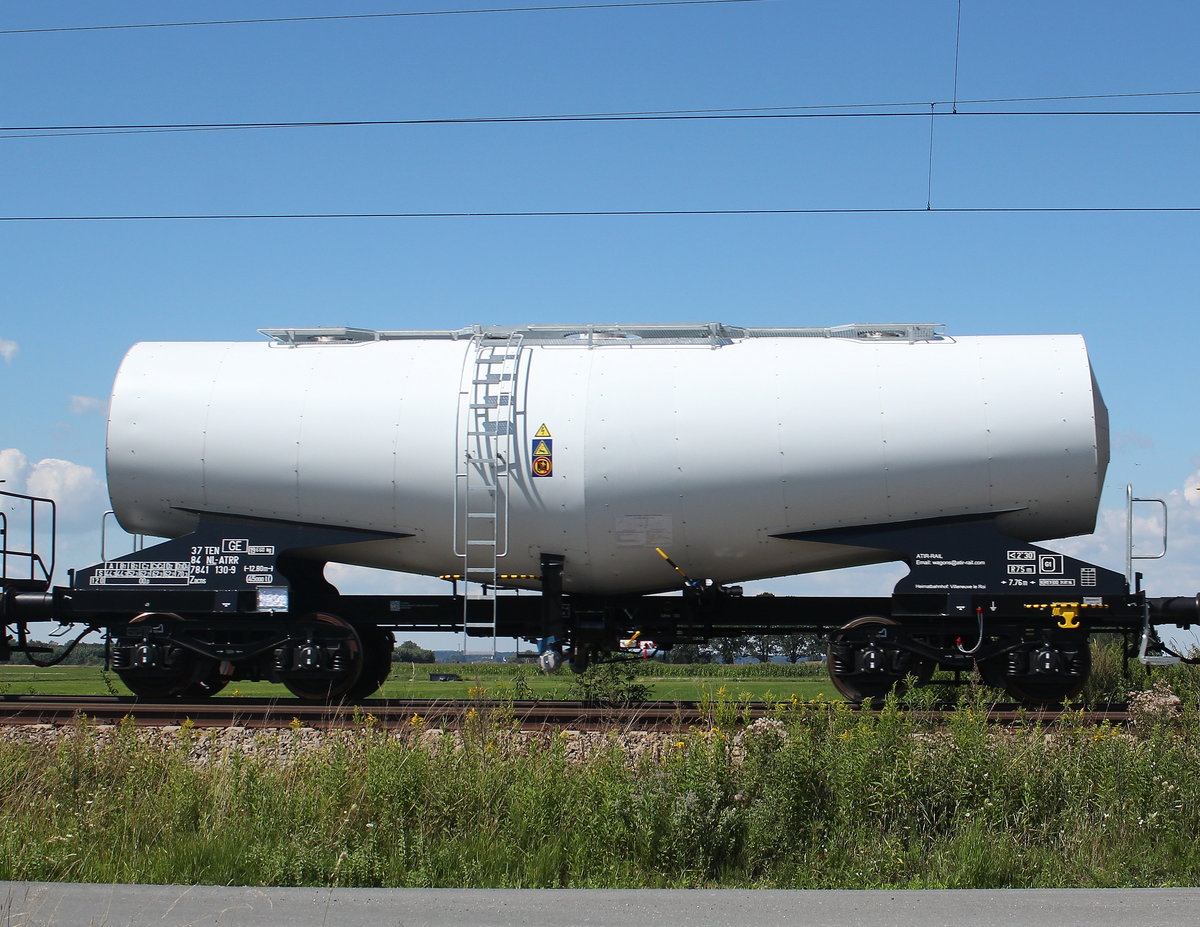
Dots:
pixel 542 432
pixel 541 450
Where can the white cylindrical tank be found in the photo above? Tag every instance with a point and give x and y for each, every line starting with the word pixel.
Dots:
pixel 707 445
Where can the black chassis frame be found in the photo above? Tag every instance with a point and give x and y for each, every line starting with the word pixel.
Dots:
pixel 258 579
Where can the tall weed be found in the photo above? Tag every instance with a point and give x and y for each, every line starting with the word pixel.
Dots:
pixel 818 796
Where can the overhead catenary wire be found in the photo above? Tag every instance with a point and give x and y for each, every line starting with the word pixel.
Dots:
pixel 557 8
pixel 582 213
pixel 928 111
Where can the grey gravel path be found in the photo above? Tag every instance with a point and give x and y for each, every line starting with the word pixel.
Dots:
pixel 33 904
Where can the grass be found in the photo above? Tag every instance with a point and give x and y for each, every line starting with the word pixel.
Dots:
pixel 23 679
pixel 816 797
pixel 411 680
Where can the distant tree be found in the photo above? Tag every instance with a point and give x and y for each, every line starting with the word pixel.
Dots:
pixel 82 655
pixel 728 648
pixel 762 647
pixel 408 652
pixel 688 653
pixel 795 646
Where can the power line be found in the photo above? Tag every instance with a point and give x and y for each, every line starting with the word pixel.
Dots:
pixel 309 19
pixel 53 131
pixel 555 214
pixel 709 112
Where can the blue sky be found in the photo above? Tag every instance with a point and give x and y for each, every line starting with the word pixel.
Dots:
pixel 77 294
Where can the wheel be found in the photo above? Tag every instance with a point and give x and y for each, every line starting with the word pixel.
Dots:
pixel 581 658
pixel 176 672
pixel 209 684
pixel 377 647
pixel 992 671
pixel 861 667
pixel 330 687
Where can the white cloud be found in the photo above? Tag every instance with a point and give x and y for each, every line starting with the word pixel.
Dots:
pixel 1191 490
pixel 12 469
pixel 1178 573
pixel 76 489
pixel 87 405
pixel 80 499
pixel 356 580
pixel 68 484
pixel 8 350
pixel 876 579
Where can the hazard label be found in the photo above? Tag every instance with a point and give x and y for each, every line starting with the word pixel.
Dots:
pixel 541 453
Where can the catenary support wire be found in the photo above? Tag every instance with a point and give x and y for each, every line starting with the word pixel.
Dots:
pixel 303 19
pixel 582 213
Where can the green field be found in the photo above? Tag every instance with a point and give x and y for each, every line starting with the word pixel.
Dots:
pixel 1110 682
pixel 412 681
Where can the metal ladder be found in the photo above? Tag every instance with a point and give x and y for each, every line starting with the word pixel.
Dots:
pixel 487 429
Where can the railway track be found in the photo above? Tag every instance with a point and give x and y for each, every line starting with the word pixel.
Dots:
pixel 398 713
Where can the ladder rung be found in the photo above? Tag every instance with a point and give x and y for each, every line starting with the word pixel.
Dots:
pixel 492 378
pixel 488 570
pixel 481 543
pixel 481 514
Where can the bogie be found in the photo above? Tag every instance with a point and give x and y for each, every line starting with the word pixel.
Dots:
pixel 869 657
pixel 154 666
pixel 325 664
pixel 1040 672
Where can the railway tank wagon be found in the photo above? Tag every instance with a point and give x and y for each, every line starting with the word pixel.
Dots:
pixel 585 462
pixel 715 451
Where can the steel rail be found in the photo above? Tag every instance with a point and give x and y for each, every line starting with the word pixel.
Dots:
pixel 524 715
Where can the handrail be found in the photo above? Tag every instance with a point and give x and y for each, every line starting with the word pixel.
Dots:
pixel 1130 556
pixel 139 540
pixel 37 564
